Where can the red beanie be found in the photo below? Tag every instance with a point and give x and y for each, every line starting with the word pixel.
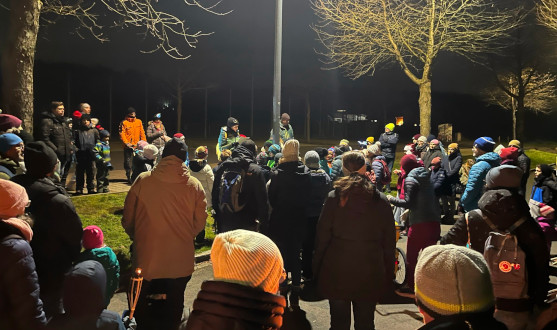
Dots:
pixel 92 237
pixel 8 121
pixel 408 163
pixel 436 161
pixel 77 114
pixel 509 153
pixel 178 135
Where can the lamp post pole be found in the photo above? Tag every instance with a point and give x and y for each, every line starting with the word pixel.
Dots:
pixel 277 75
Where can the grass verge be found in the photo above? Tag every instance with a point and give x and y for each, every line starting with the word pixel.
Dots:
pixel 540 157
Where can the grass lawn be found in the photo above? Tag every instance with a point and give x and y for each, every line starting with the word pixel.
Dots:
pixel 105 211
pixel 540 157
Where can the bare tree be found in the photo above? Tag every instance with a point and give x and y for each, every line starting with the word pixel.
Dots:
pixel 161 31
pixel 547 13
pixel 360 36
pixel 530 90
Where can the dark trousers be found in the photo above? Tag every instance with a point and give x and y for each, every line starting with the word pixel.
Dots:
pixel 65 165
pixel 308 245
pixel 128 157
pixel 161 304
pixel 420 236
pixel 390 162
pixel 84 167
pixel 341 314
pixel 102 177
pixel 291 255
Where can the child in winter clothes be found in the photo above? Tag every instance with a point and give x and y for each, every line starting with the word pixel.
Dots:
pixel 273 151
pixel 102 155
pixel 201 170
pixel 263 156
pixel 144 160
pixel 95 249
pixel 323 164
pixel 85 140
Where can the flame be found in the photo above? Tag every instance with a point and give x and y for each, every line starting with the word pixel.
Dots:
pixel 138 271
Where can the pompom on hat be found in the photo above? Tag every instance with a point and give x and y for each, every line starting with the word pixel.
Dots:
pixel 485 143
pixel 13 199
pixel 247 258
pixel 93 237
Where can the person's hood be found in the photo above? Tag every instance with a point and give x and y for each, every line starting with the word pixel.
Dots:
pixel 196 166
pixel 242 153
pixel 293 167
pixel 8 162
pixel 45 186
pixel 171 169
pixel 419 174
pixel 503 207
pixel 52 116
pixel 84 288
pixel 491 157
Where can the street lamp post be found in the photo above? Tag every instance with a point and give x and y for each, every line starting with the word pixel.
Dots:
pixel 277 75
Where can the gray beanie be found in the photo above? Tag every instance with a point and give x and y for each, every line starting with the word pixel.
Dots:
pixel 311 159
pixel 39 159
pixel 175 147
pixel 452 279
pixel 374 149
pixel 504 176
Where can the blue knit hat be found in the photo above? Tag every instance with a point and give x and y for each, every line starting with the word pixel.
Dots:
pixel 485 143
pixel 274 149
pixel 8 140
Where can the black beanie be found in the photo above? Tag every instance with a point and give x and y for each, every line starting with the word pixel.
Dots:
pixel 39 159
pixel 250 145
pixel 232 122
pixel 176 147
pixel 322 152
pixel 130 110
pixel 85 117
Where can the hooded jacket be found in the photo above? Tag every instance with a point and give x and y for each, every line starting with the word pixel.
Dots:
pixel 476 177
pixel 388 144
pixel 253 195
pixel 202 171
pixel 107 258
pixel 544 189
pixel 523 162
pixel 231 306
pixel 155 135
pixel 20 306
pixel 84 289
pixel 452 164
pixel 164 210
pixel 336 169
pixel 54 131
pixel 228 138
pixel 419 197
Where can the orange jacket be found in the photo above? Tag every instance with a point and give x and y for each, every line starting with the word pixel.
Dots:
pixel 132 131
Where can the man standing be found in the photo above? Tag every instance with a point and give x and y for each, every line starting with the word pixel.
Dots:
pixel 286 130
pixel 85 108
pixel 56 134
pixel 523 163
pixel 163 212
pixel 131 132
pixel 388 141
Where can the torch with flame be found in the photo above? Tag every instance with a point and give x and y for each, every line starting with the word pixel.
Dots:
pixel 135 288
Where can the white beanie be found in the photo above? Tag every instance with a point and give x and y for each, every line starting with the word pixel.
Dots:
pixel 374 149
pixel 150 151
pixel 291 151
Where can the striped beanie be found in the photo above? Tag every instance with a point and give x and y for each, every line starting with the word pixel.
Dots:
pixel 452 279
pixel 485 143
pixel 247 258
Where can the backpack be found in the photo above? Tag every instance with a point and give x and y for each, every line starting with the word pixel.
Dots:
pixel 386 177
pixel 4 169
pixel 507 263
pixel 231 183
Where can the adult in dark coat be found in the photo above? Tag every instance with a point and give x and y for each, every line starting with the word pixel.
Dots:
pixel 433 151
pixel 354 249
pixel 451 164
pixel 523 162
pixel 57 230
pixel 55 132
pixel 388 141
pixel 253 195
pixel 20 306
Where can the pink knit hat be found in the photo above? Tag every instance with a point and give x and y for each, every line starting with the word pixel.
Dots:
pixel 92 237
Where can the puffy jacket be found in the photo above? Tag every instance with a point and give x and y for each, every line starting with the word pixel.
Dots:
pixel 54 131
pixel 388 144
pixel 8 168
pixel 285 133
pixel 430 154
pixel 377 167
pixel 523 162
pixel 253 195
pixel 228 139
pixel 336 169
pixel 222 305
pixel 156 135
pixel 106 257
pixel 476 177
pixel 20 306
pixel 85 139
pixel 320 187
pixel 546 189
pixel 289 192
pixel 419 197
pixel 203 172
pixel 440 183
pixel 452 164
pixel 132 131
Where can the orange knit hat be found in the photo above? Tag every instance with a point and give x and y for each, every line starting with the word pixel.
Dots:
pixel 13 199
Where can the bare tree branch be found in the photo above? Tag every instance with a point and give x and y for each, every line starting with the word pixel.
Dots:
pixel 547 13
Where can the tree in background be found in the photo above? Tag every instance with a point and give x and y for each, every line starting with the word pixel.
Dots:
pixel 361 36
pixel 547 13
pixel 161 30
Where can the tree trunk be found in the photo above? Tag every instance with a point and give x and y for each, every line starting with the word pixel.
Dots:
pixel 513 110
pixel 425 107
pixel 520 119
pixel 18 60
pixel 308 118
pixel 179 107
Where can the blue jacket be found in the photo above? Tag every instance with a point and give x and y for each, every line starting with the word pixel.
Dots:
pixel 476 177
pixel 336 170
pixel 377 167
pixel 439 180
pixel 320 188
pixel 388 144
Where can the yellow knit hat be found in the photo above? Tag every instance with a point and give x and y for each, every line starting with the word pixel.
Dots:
pixel 344 142
pixel 247 258
pixel 514 143
pixel 390 126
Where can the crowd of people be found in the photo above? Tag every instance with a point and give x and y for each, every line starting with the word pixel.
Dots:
pixel 284 221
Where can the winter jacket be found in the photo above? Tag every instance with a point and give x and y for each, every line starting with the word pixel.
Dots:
pixel 9 168
pixel 132 131
pixel 354 247
pixel 419 197
pixel 430 154
pixel 54 131
pixel 83 301
pixel 57 230
pixel 452 164
pixel 441 185
pixel 544 191
pixel 475 321
pixel 476 177
pixel 523 162
pixel 377 167
pixel 141 164
pixel 155 135
pixel 228 139
pixel 203 172
pixel 324 164
pixel 231 306
pixel 388 144
pixel 164 210
pixel 336 169
pixel 289 193
pixel 20 306
pixel 285 133
pixel 102 152
pixel 320 188
pixel 85 139
pixel 477 229
pixel 253 195
pixel 106 257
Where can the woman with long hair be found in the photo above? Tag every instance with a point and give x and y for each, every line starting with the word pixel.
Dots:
pixel 354 247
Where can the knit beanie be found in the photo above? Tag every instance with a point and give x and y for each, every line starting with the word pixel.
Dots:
pixel 232 122
pixel 344 142
pixel 150 151
pixel 509 153
pixel 274 149
pixel 374 149
pixel 141 144
pixel 322 152
pixel 39 159
pixel 175 147
pixel 452 279
pixel 285 116
pixel 423 139
pixel 84 117
pixel 13 199
pixel 291 151
pixel 8 121
pixel 415 137
pixel 93 237
pixel 409 162
pixel 435 161
pixel 434 141
pixel 8 140
pixel 130 110
pixel 485 143
pixel 311 159
pixel 201 152
pixel 453 146
pixel 514 143
pixel 504 176
pixel 370 139
pixel 250 145
pixel 247 258
pixel 77 114
pixel 104 133
pixel 390 126
pixel 179 135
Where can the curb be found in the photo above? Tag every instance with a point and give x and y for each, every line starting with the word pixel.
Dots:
pixel 203 256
